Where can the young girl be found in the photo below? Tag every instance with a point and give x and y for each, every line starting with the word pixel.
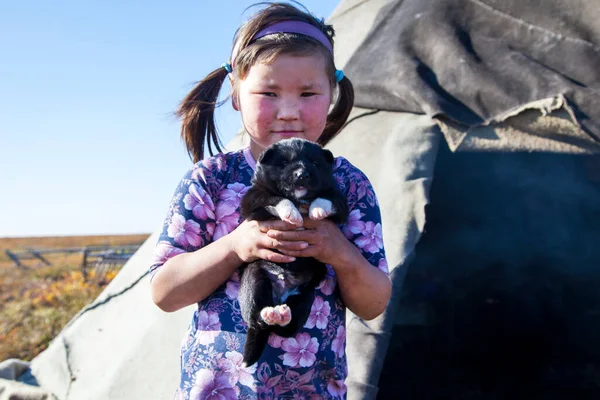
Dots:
pixel 283 79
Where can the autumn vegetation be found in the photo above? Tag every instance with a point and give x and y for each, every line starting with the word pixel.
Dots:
pixel 36 300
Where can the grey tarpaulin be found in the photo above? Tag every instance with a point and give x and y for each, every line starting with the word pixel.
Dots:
pixel 473 62
pixel 499 256
pixel 501 298
pixel 397 152
pixel 10 389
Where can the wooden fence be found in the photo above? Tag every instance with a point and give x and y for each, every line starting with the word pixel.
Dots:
pixel 101 258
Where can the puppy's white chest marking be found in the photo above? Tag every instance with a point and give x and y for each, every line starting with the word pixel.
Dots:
pixel 320 209
pixel 300 193
pixel 286 211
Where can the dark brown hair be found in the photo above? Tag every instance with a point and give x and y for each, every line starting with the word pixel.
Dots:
pixel 198 127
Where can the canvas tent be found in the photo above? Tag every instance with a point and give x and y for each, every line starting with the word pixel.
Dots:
pixel 477 123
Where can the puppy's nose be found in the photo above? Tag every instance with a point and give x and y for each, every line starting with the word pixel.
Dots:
pixel 300 174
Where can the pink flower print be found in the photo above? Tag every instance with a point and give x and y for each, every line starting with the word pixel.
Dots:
pixel 300 351
pixel 336 388
pixel 319 314
pixel 383 265
pixel 338 345
pixel 209 386
pixel 268 381
pixel 234 193
pixel 265 393
pixel 371 239
pixel 185 233
pixel 362 190
pixel 163 251
pixel 302 395
pixel 327 285
pixel 221 162
pixel 354 225
pixel 231 365
pixel 218 161
pixel 275 341
pixel 227 219
pixel 339 180
pixel 208 327
pixel 233 286
pixel 199 174
pixel 297 382
pixel 199 202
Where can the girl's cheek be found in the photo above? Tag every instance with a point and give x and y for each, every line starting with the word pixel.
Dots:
pixel 317 109
pixel 263 114
pixel 263 106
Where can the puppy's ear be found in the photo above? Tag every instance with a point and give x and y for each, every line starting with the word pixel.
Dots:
pixel 328 156
pixel 267 157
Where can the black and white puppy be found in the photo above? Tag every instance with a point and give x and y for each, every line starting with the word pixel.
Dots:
pixel 292 177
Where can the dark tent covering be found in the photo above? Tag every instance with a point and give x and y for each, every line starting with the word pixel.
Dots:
pixel 473 62
pixel 491 211
pixel 502 298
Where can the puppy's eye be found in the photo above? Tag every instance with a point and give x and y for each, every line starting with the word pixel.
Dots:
pixel 315 163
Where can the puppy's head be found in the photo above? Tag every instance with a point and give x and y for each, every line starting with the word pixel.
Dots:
pixel 296 169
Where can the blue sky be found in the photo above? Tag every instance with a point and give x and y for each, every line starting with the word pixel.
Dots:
pixel 88 140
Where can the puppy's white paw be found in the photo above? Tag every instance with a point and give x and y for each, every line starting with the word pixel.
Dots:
pixel 320 209
pixel 279 315
pixel 287 211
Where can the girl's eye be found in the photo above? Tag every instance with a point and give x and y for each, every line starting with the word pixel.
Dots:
pixel 268 94
pixel 308 94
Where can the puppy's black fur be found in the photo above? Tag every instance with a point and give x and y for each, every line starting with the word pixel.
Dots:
pixel 300 172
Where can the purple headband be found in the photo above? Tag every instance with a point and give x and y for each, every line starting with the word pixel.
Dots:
pixel 290 26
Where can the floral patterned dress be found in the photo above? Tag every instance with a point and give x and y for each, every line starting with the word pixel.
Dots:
pixel 309 365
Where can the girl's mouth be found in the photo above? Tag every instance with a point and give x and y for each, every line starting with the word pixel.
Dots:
pixel 288 133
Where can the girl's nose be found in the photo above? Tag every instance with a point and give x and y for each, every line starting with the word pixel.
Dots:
pixel 288 110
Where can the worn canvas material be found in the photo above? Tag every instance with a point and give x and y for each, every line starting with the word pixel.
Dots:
pixel 470 63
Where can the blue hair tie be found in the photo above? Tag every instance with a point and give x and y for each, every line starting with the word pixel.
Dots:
pixel 339 75
pixel 227 67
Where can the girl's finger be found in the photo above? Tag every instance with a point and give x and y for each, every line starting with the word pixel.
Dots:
pixel 303 235
pixel 272 243
pixel 275 257
pixel 276 224
pixel 291 245
pixel 298 253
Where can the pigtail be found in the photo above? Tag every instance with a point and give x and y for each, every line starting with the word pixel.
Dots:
pixel 340 112
pixel 197 116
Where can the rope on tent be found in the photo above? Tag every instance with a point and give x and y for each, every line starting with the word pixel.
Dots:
pixel 107 299
pixel 66 346
pixel 370 112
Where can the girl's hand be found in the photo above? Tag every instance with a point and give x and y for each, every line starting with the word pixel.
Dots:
pixel 365 289
pixel 324 238
pixel 250 241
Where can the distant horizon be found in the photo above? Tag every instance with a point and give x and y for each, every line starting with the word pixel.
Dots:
pixel 90 143
pixel 83 235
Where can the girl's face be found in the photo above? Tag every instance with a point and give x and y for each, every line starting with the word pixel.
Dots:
pixel 288 97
